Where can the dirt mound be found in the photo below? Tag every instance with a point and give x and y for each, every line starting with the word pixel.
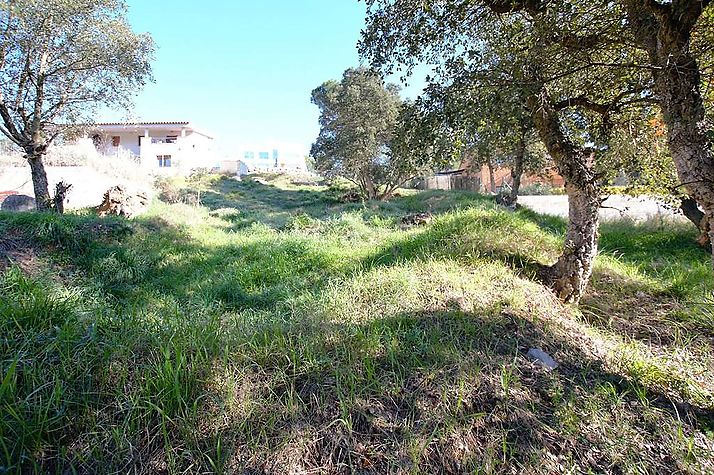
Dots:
pixel 15 249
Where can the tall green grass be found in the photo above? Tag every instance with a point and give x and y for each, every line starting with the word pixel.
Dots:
pixel 275 329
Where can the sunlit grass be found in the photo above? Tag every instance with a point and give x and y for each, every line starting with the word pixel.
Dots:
pixel 275 329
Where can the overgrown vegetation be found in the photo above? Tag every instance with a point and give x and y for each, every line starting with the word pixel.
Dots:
pixel 272 329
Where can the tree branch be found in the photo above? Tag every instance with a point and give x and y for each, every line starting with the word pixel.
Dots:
pixel 585 103
pixel 661 11
pixel 509 6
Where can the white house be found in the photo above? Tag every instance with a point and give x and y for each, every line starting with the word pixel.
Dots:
pixel 274 158
pixel 159 147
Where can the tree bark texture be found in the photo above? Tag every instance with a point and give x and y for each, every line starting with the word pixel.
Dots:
pixel 690 210
pixel 39 182
pixel 664 30
pixel 570 275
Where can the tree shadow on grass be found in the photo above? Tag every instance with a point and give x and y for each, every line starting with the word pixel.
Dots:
pixel 452 392
pixel 446 391
pixel 550 224
pixel 165 263
pixel 257 202
pixel 654 297
pixel 264 203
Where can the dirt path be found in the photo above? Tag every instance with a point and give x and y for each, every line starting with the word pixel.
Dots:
pixel 638 209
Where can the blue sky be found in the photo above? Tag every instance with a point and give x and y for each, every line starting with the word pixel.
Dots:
pixel 244 70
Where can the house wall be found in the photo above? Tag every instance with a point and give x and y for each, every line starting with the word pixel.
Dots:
pixel 190 150
pixel 197 151
pixel 127 141
pixel 503 175
pixel 234 166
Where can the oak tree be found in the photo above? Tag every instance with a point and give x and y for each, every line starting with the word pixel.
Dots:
pixel 367 134
pixel 569 91
pixel 59 61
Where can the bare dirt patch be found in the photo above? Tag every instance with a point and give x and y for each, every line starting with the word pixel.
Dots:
pixel 15 249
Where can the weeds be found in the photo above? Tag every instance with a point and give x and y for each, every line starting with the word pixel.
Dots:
pixel 275 330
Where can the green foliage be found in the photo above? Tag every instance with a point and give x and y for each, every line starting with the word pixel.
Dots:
pixel 539 188
pixel 61 60
pixel 360 119
pixel 66 57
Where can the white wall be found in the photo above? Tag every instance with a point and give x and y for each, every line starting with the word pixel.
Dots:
pixel 197 151
pixel 127 140
pixel 191 149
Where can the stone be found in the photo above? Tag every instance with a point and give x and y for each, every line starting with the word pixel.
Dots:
pixel 542 358
pixel 16 203
pixel 119 201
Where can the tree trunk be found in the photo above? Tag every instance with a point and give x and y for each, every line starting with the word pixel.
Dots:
pixel 517 170
pixel 61 191
pixel 39 182
pixel 369 189
pixel 570 275
pixel 690 147
pixel 665 31
pixel 691 211
pixel 491 178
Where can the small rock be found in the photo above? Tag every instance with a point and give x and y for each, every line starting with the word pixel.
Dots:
pixel 16 203
pixel 542 358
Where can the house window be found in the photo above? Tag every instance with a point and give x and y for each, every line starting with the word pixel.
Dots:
pixel 139 140
pixel 116 140
pixel 164 161
pixel 171 138
pixel 265 156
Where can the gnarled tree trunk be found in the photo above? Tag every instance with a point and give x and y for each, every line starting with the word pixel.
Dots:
pixel 664 30
pixel 690 210
pixel 39 181
pixel 683 112
pixel 570 275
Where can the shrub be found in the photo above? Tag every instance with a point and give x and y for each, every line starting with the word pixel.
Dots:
pixel 168 189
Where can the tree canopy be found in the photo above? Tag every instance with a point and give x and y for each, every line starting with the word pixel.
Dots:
pixel 582 69
pixel 59 60
pixel 367 134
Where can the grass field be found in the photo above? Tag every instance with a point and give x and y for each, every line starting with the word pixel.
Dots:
pixel 273 329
